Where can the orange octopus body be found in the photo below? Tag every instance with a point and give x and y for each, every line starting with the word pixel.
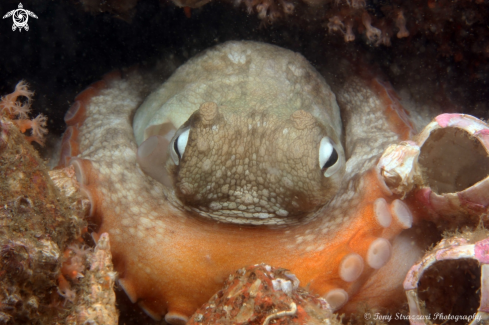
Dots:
pixel 200 254
pixel 171 261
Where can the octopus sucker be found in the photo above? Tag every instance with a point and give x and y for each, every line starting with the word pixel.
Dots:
pixel 240 158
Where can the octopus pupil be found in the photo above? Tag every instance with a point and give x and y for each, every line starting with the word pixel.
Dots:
pixel 175 147
pixel 332 159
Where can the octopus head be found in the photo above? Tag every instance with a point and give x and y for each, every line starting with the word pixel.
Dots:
pixel 256 168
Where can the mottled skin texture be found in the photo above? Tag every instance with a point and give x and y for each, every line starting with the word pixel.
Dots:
pixel 253 168
pixel 174 246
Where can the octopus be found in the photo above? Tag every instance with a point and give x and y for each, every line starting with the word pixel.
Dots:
pixel 244 155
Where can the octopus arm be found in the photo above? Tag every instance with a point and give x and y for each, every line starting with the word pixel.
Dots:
pixel 374 119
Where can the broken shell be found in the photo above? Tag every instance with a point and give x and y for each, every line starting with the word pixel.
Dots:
pixel 456 248
pixel 398 166
pixel 449 164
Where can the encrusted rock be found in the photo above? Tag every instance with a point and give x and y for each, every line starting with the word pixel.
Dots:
pixel 97 302
pixel 262 294
pixel 36 225
pixel 40 222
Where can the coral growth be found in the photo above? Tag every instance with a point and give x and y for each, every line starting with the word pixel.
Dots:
pixel 72 270
pixel 378 29
pixel 451 24
pixel 13 108
pixel 74 264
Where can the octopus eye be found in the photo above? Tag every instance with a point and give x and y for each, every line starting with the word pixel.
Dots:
pixel 328 157
pixel 178 145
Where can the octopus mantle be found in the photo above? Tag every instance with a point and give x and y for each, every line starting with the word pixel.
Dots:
pixel 268 173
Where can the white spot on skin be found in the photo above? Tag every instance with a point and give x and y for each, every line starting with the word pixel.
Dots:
pixel 282 213
pixel 145 222
pixel 215 206
pixel 247 198
pixel 126 221
pixel 206 166
pixel 237 58
pixel 130 156
pixel 298 72
pixel 287 182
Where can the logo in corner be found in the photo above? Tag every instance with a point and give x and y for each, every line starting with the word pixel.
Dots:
pixel 20 17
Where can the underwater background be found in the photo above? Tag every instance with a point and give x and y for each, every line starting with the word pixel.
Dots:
pixel 443 62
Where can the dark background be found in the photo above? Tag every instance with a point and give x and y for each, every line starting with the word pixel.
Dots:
pixel 68 48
